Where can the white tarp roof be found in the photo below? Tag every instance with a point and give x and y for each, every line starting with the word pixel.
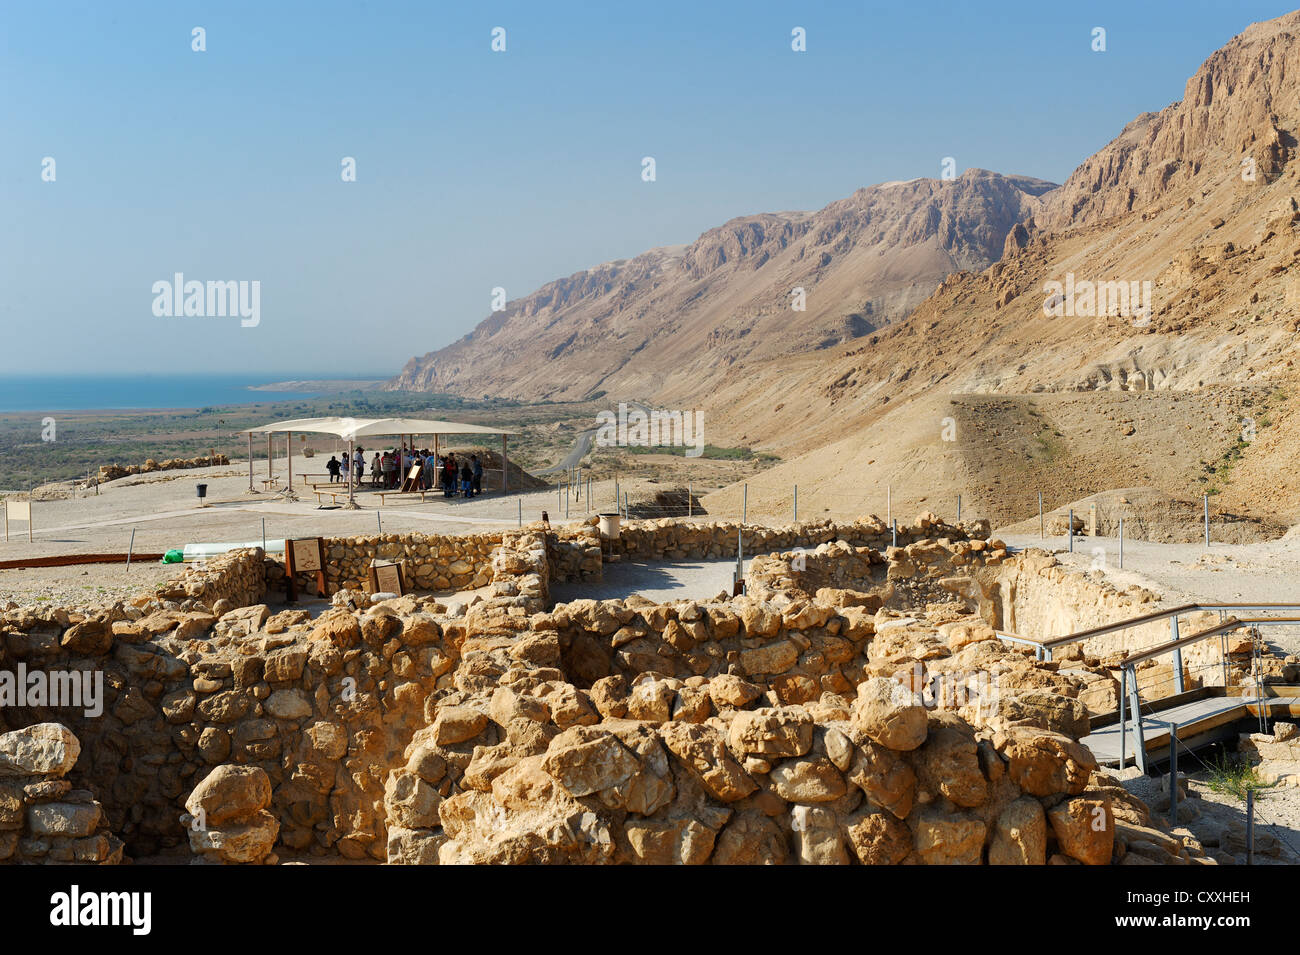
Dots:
pixel 350 428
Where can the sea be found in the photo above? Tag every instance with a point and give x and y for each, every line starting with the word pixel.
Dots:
pixel 94 392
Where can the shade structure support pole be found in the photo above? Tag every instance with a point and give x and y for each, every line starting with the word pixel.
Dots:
pixel 270 466
pixel 289 448
pixel 250 463
pixel 505 465
pixel 352 487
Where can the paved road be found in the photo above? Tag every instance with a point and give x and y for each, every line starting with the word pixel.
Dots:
pixel 582 444
pixel 579 450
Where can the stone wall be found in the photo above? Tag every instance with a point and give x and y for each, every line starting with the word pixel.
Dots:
pixel 910 576
pixel 42 818
pixel 234 579
pixel 111 472
pixel 1034 595
pixel 522 763
pixel 429 562
pixel 669 539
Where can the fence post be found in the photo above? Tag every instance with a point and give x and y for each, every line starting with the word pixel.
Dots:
pixel 1042 533
pixel 264 535
pixel 521 511
pixel 958 507
pixel 130 550
pixel 744 507
pixel 690 499
pixel 1121 543
pixel 1069 530
pixel 380 518
pixel 894 524
pixel 796 503
pixel 1207 521
pixel 1178 654
pixel 1250 827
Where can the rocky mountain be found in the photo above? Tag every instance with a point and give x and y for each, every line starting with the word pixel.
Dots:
pixel 680 314
pixel 1133 328
pixel 1198 205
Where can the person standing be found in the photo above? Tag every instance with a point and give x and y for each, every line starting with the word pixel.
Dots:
pixel 359 464
pixel 375 470
pixel 477 469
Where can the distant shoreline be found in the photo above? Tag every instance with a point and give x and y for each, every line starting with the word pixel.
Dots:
pixel 322 385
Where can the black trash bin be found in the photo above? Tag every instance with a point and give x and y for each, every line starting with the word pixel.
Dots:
pixel 203 491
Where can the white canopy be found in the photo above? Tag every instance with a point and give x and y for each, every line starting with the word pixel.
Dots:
pixel 351 428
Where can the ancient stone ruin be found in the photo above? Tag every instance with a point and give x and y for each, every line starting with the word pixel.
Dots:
pixel 854 706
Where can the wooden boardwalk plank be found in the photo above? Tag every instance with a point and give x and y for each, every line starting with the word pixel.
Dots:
pixel 1192 718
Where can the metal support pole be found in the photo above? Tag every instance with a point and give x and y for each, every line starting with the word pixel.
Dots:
pixel 958 507
pixel 1121 543
pixel 264 535
pixel 566 507
pixel 505 466
pixel 796 503
pixel 1140 737
pixel 1206 498
pixel 289 449
pixel 1173 774
pixel 521 511
pixel 250 460
pixel 130 550
pixel 690 499
pixel 270 454
pixel 894 525
pixel 744 507
pixel 1069 530
pixel 1042 533
pixel 1223 656
pixel 380 519
pixel 1123 724
pixel 1178 655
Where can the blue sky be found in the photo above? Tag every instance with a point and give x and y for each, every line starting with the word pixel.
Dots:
pixel 478 169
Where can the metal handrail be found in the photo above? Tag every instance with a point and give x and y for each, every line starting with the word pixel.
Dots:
pixel 1128 669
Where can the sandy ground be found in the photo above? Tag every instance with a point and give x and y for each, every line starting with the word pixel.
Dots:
pixel 165 514
pixel 82 584
pixel 1277 813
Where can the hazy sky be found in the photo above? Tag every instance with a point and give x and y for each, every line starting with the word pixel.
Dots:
pixel 478 169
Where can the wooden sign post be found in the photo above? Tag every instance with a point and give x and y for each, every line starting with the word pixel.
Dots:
pixel 19 511
pixel 386 578
pixel 303 557
pixel 413 480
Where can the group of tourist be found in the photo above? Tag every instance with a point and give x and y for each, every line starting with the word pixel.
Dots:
pixel 388 469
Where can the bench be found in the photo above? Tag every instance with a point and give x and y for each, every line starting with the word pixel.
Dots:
pixel 333 495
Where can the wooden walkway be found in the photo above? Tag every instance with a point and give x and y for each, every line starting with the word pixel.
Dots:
pixel 1193 719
